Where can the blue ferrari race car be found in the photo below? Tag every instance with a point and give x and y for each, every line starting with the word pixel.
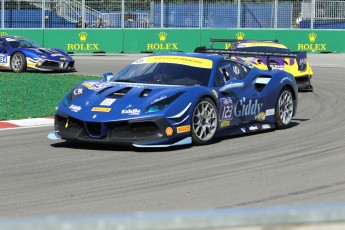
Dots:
pixel 20 54
pixel 175 98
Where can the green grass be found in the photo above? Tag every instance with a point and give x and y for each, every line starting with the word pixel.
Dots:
pixel 30 95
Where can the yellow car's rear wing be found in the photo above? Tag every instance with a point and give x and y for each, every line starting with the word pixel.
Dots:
pixel 214 40
pixel 301 57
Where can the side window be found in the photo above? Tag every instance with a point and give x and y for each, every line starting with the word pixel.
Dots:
pixel 222 75
pixel 229 70
pixel 238 70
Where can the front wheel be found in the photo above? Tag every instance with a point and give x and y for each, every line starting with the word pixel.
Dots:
pixel 204 122
pixel 18 62
pixel 284 109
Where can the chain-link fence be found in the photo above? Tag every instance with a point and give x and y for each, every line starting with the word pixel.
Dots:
pixel 276 14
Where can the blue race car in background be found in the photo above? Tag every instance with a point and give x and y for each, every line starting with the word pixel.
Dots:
pixel 177 98
pixel 20 54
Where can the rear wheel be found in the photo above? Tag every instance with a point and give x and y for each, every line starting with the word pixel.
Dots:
pixel 204 122
pixel 18 62
pixel 284 109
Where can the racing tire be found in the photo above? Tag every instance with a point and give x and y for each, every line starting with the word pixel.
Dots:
pixel 204 122
pixel 284 109
pixel 18 62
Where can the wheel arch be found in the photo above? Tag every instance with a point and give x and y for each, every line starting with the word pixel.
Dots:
pixel 294 96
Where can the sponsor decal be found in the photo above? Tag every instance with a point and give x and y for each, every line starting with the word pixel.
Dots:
pixel 158 99
pixel 162 45
pixel 226 109
pixel 236 70
pixel 183 129
pixel 10 40
pixel 245 107
pixel 78 91
pixel 266 126
pixel 253 128
pixel 55 55
pixel 63 59
pixel 74 108
pixel 96 86
pixel 94 116
pixel 269 112
pixel 108 102
pixel 190 61
pixel 277 67
pixel 312 46
pixel 169 131
pixel 82 46
pixel 130 111
pixel 261 116
pixel 224 123
pixel 255 44
pixel 101 109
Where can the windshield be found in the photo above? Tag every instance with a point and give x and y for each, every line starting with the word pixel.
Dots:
pixel 23 43
pixel 164 73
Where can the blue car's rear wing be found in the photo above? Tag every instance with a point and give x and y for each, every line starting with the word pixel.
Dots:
pixel 301 57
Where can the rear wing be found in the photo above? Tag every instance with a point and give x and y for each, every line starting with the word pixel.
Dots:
pixel 301 57
pixel 215 40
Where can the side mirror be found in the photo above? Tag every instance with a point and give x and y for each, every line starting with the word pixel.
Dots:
pixel 108 76
pixel 232 84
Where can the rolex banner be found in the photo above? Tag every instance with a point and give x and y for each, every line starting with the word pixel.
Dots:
pixel 85 41
pixel 158 40
pixel 161 40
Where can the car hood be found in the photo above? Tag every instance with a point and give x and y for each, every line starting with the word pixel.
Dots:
pixel 103 101
pixel 47 53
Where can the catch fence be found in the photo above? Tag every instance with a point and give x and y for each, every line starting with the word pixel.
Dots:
pixel 251 14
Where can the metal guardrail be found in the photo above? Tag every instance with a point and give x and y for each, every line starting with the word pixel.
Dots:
pixel 297 217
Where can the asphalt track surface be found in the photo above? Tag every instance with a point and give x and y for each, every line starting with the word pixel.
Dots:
pixel 301 165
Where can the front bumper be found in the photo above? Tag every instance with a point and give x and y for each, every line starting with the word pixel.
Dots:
pixel 50 65
pixel 304 83
pixel 129 132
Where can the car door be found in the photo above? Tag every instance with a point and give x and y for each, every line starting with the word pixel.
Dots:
pixel 240 102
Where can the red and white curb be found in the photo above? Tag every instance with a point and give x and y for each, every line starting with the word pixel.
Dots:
pixel 27 123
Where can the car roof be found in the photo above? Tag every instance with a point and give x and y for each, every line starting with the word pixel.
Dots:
pixel 13 37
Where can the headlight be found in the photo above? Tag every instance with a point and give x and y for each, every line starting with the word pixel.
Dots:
pixel 160 105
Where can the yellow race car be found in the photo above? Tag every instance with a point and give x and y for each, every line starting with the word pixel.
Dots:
pixel 273 55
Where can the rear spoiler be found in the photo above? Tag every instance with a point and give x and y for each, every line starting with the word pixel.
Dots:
pixel 301 57
pixel 214 40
